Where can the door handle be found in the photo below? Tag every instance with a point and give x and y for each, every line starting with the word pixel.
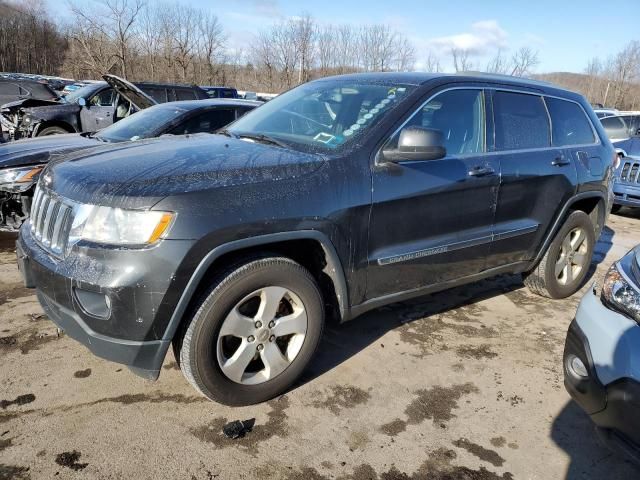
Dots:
pixel 481 171
pixel 560 161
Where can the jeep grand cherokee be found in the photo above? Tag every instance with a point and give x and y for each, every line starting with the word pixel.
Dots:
pixel 339 196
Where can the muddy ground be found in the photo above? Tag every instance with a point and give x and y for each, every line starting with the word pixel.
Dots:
pixel 466 384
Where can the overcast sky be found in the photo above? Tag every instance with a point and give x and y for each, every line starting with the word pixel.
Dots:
pixel 567 33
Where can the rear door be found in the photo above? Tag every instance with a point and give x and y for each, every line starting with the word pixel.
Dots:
pixel 431 221
pixel 537 177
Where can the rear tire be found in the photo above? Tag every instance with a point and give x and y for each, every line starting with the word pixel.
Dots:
pixel 223 352
pixel 566 263
pixel 51 131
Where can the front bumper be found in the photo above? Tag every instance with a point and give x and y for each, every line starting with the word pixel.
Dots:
pixel 610 393
pixel 626 195
pixel 142 288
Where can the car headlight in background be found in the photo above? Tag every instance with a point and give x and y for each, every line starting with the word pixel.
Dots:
pixel 19 179
pixel 116 226
pixel 618 293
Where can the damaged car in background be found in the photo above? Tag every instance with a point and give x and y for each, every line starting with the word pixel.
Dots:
pixel 21 162
pixel 89 108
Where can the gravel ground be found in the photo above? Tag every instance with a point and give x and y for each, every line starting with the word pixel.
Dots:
pixel 466 384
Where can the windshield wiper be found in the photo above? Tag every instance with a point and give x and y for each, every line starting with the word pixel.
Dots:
pixel 227 133
pixel 261 137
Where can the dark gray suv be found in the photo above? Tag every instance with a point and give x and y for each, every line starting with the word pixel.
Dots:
pixel 337 197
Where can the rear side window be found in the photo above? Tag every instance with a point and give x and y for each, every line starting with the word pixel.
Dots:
pixel 227 93
pixel 615 128
pixel 521 121
pixel 158 94
pixel 185 94
pixel 570 125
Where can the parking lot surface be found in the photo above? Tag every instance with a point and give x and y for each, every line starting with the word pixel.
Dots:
pixel 465 384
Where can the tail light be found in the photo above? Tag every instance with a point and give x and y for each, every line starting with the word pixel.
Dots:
pixel 616 159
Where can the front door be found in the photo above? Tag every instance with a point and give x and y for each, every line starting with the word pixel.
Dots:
pixel 431 221
pixel 98 112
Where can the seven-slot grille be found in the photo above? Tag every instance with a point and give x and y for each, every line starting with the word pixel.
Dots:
pixel 629 172
pixel 50 221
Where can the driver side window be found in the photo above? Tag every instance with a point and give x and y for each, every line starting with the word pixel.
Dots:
pixel 459 115
pixel 102 99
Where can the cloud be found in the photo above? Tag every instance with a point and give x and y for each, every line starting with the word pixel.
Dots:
pixel 483 36
pixel 263 8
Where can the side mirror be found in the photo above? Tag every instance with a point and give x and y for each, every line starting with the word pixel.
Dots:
pixel 416 144
pixel 82 102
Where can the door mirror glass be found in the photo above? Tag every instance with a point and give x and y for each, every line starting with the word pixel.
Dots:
pixel 417 143
pixel 82 102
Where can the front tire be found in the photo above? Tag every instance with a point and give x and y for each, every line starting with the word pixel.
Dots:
pixel 566 263
pixel 253 332
pixel 51 131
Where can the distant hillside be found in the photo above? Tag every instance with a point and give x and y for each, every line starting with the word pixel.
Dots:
pixel 595 89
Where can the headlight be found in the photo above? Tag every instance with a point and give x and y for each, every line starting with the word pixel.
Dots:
pixel 19 179
pixel 115 226
pixel 618 293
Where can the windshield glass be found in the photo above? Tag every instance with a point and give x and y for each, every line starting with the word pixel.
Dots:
pixel 322 116
pixel 83 92
pixel 143 124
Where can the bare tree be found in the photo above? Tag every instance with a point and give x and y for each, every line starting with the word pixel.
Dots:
pixel 212 44
pixel 523 61
pixel 149 39
pixel 304 36
pixel 461 60
pixel 110 19
pixel 498 64
pixel 405 58
pixel 432 64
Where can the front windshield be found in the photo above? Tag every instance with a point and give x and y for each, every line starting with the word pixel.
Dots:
pixel 83 92
pixel 143 124
pixel 324 115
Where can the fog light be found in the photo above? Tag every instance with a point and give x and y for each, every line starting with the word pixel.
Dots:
pixel 577 367
pixel 94 303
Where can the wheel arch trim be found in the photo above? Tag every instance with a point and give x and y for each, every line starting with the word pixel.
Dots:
pixel 334 270
pixel 562 216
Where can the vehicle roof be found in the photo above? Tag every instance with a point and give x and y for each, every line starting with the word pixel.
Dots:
pixel 217 86
pixel 421 78
pixel 210 102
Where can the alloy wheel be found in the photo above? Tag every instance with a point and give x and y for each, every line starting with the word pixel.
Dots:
pixel 262 335
pixel 573 256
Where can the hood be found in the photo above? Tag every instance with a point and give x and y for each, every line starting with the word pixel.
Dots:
pixel 631 146
pixel 129 91
pixel 33 151
pixel 28 103
pixel 138 174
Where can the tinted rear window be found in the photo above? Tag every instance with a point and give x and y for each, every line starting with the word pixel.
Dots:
pixel 570 125
pixel 185 94
pixel 521 121
pixel 158 94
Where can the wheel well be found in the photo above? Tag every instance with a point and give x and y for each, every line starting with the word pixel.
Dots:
pixel 60 124
pixel 595 208
pixel 307 252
